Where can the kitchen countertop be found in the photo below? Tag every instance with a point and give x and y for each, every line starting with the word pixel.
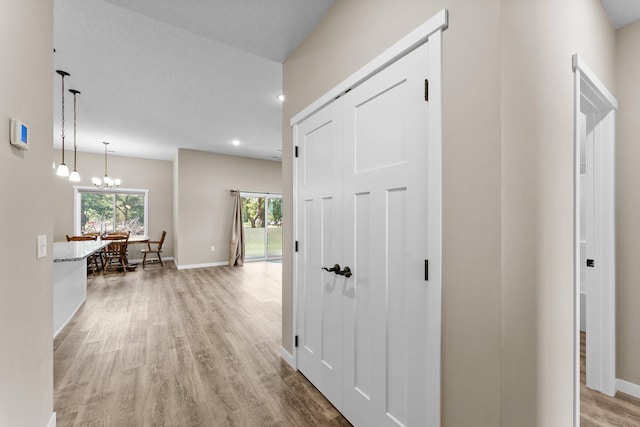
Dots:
pixel 76 251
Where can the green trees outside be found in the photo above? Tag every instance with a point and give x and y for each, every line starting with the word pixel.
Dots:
pixel 275 212
pixel 257 244
pixel 108 212
pixel 253 211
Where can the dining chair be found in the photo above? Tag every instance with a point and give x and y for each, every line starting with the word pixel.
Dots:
pixel 116 251
pixel 156 250
pixel 92 260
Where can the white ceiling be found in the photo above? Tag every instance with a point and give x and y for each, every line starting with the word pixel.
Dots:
pixel 622 12
pixel 157 75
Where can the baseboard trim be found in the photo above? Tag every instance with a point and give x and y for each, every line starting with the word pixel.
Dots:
pixel 52 420
pixel 210 264
pixel 288 357
pixel 628 388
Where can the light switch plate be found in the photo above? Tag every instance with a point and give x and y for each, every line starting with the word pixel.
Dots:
pixel 42 246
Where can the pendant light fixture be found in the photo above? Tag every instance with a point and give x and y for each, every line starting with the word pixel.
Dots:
pixel 63 170
pixel 74 176
pixel 106 182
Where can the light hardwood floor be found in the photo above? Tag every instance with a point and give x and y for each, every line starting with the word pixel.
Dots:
pixel 201 348
pixel 599 410
pixel 182 348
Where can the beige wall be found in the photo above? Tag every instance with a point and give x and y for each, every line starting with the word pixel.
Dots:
pixel 153 175
pixel 26 287
pixel 628 201
pixel 507 177
pixel 353 33
pixel 205 207
pixel 538 40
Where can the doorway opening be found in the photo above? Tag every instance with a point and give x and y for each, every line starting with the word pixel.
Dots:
pixel 262 222
pixel 594 232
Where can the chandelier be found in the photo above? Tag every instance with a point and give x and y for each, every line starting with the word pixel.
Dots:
pixel 105 182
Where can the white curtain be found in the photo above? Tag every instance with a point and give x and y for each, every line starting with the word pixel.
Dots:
pixel 236 247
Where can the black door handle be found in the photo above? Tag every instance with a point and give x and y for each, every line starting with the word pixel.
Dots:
pixel 335 269
pixel 346 272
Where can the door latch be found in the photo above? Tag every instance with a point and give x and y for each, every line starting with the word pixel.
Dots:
pixel 591 263
pixel 334 269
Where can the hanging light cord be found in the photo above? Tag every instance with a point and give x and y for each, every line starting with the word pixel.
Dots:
pixel 106 144
pixel 62 118
pixel 74 130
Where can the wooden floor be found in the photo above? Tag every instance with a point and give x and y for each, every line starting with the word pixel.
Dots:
pixel 182 348
pixel 200 347
pixel 597 409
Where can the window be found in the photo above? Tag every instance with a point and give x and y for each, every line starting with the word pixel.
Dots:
pixel 262 218
pixel 106 211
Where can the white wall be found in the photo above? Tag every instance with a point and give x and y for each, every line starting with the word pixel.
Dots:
pixel 628 201
pixel 353 33
pixel 204 205
pixel 508 187
pixel 26 284
pixel 538 40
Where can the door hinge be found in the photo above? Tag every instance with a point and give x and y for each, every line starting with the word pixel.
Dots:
pixel 295 341
pixel 296 246
pixel 591 263
pixel 296 153
pixel 426 89
pixel 426 270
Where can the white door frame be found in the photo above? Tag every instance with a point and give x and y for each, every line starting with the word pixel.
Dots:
pixel 430 31
pixel 590 93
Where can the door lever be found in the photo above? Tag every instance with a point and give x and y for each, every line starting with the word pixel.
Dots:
pixel 335 269
pixel 346 272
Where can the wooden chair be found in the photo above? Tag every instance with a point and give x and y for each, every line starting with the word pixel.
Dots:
pixel 82 238
pixel 92 260
pixel 116 251
pixel 151 250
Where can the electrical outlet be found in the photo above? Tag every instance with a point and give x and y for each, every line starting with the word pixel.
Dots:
pixel 41 246
pixel 213 248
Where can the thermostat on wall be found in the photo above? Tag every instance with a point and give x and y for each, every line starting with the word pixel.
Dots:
pixel 19 134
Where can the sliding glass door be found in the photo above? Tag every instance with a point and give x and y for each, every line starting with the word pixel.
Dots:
pixel 262 220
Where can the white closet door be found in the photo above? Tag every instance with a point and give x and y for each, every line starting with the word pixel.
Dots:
pixel 385 213
pixel 319 207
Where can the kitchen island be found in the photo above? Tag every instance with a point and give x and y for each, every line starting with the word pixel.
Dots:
pixel 70 278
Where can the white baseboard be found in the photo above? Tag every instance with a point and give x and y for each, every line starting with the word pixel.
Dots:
pixel 209 264
pixel 52 420
pixel 628 388
pixel 288 357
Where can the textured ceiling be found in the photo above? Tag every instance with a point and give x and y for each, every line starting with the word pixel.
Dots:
pixel 157 75
pixel 622 12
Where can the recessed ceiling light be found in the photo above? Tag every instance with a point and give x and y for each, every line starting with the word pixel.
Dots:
pixel 235 142
pixel 280 97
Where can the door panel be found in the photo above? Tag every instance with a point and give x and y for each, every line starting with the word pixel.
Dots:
pixel 376 136
pixel 319 233
pixel 362 329
pixel 363 177
pixel 396 341
pixel 385 149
